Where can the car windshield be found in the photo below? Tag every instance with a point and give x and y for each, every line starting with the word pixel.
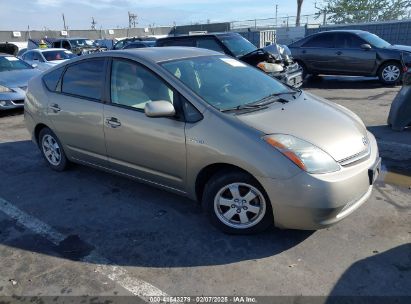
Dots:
pixel 224 82
pixel 374 40
pixel 82 43
pixel 11 63
pixel 58 55
pixel 238 45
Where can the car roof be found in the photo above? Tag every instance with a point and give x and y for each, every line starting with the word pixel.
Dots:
pixel 46 50
pixel 344 31
pixel 160 54
pixel 199 35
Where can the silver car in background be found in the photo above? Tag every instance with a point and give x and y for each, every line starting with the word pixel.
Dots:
pixel 14 76
pixel 204 125
pixel 43 59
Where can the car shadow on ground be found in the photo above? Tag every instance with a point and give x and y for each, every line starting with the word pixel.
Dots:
pixel 386 275
pixel 127 222
pixel 12 112
pixel 342 82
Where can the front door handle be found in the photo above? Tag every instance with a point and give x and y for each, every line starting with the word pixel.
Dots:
pixel 113 122
pixel 55 108
pixel 339 53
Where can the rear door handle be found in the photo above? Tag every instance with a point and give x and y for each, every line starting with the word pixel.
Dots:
pixel 113 122
pixel 55 108
pixel 339 53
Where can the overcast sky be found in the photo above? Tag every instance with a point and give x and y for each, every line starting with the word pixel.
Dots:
pixel 17 15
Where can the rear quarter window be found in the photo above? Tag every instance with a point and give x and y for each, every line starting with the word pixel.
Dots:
pixel 85 79
pixel 52 78
pixel 325 40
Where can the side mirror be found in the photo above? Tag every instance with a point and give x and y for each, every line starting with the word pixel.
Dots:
pixel 159 108
pixel 366 46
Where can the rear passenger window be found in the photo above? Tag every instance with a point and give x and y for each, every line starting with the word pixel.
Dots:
pixel 210 44
pixel 52 78
pixel 85 79
pixel 321 41
pixel 348 41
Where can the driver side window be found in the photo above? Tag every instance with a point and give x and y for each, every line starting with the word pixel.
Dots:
pixel 133 85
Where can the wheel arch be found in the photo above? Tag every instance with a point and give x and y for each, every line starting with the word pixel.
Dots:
pixel 37 131
pixel 210 170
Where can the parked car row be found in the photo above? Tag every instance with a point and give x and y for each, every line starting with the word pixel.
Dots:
pixel 343 52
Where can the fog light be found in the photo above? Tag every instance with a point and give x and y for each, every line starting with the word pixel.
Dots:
pixel 3 103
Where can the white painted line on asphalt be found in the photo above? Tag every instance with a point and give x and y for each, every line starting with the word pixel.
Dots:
pixel 115 273
pixel 393 143
pixel 31 223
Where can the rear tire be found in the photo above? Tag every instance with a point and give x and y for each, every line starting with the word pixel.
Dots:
pixel 390 73
pixel 237 204
pixel 52 150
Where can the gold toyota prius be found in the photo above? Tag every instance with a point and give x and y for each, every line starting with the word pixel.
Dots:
pixel 252 150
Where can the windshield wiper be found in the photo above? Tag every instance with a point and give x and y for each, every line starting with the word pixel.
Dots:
pixel 254 105
pixel 263 102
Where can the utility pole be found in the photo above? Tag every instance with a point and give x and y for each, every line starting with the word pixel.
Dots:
pixel 64 23
pixel 132 20
pixel 276 15
pixel 322 11
pixel 93 23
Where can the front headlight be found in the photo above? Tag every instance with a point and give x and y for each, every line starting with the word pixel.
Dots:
pixel 4 89
pixel 270 67
pixel 305 155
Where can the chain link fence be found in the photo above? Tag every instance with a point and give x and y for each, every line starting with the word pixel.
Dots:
pixel 320 18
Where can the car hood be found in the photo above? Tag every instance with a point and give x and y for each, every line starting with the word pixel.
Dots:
pixel 399 47
pixel 331 127
pixel 17 78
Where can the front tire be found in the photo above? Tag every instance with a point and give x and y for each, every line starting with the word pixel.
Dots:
pixel 390 73
pixel 236 203
pixel 52 150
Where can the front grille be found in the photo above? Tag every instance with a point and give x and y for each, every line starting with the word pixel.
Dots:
pixel 20 101
pixel 356 158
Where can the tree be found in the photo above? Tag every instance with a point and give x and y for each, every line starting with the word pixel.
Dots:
pixel 357 11
pixel 299 6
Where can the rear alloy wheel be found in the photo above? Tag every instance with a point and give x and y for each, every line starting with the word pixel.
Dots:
pixel 52 150
pixel 236 204
pixel 390 73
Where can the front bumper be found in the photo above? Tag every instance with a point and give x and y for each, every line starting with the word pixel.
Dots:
pixel 315 201
pixel 12 100
pixel 292 75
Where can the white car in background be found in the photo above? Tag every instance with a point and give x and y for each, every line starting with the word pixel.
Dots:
pixel 43 59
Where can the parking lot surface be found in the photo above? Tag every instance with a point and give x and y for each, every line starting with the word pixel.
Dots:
pixel 86 232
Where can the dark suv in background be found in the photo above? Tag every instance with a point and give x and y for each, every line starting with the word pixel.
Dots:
pixel 350 52
pixel 235 45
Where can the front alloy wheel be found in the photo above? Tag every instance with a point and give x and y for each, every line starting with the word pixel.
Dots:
pixel 236 203
pixel 390 73
pixel 239 205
